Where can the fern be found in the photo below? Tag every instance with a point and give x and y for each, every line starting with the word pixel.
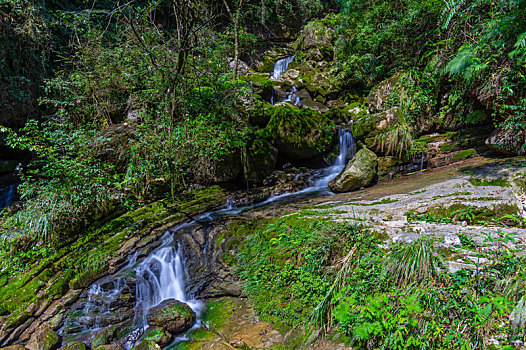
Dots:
pixel 465 63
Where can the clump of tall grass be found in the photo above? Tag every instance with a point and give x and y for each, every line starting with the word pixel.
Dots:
pixel 397 141
pixel 413 263
pixel 321 315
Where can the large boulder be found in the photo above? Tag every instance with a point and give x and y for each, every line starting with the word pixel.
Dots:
pixel 300 133
pixel 172 315
pixel 260 160
pixel 317 40
pixel 371 125
pixel 44 339
pixel 359 172
pixel 509 142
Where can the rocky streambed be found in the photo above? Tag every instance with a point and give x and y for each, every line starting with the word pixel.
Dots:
pixel 469 206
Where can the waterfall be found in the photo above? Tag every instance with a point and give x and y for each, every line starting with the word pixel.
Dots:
pixel 347 152
pixel 281 66
pixel 161 275
pixel 291 97
pixel 422 162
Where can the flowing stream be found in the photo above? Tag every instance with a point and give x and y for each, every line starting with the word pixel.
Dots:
pixel 161 275
pixel 281 66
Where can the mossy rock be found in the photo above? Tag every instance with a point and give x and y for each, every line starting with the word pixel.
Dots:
pixel 75 345
pixel 147 345
pixel 371 125
pixel 260 160
pixel 110 347
pixel 359 172
pixel 301 134
pixel 317 39
pixel 386 164
pixel 386 94
pixel 172 315
pixel 14 347
pixel 44 339
pixel 315 106
pixel 157 335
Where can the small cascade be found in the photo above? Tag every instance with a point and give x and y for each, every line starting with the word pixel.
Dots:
pixel 293 96
pixel 160 277
pixel 422 162
pixel 281 66
pixel 347 152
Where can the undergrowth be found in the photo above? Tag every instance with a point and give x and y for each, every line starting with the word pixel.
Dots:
pixel 308 273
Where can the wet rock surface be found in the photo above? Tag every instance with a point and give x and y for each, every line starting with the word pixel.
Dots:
pixel 359 172
pixel 174 316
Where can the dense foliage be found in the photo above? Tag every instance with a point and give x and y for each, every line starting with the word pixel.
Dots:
pixel 302 271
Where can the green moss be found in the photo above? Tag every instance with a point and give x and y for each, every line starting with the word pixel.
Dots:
pixel 500 182
pixel 471 214
pixel 85 259
pixel 460 155
pixel 300 133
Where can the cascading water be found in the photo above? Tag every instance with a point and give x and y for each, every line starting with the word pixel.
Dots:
pixel 161 275
pixel 347 152
pixel 281 66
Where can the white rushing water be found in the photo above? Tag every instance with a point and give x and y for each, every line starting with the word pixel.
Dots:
pixel 347 152
pixel 281 66
pixel 161 275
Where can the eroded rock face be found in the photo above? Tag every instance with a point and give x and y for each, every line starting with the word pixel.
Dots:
pixel 45 339
pixel 371 125
pixel 359 172
pixel 172 315
pixel 509 142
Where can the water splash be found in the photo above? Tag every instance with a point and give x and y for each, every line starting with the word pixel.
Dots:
pixel 281 66
pixel 347 152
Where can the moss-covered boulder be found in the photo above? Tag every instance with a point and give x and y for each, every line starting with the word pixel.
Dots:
pixel 320 79
pixel 508 142
pixel 147 345
pixel 371 125
pixel 301 133
pixel 172 315
pixel 359 172
pixel 314 105
pixel 74 345
pixel 317 39
pixel 384 95
pixel 44 339
pixel 158 335
pixel 259 161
